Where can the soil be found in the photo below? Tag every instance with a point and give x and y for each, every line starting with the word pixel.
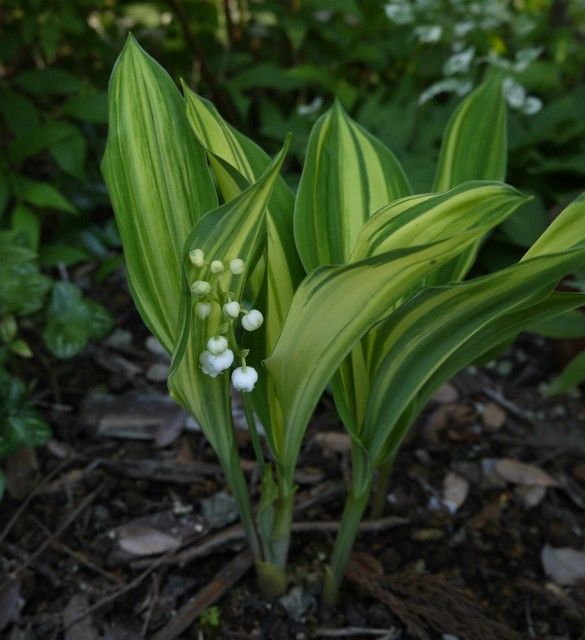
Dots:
pixel 487 489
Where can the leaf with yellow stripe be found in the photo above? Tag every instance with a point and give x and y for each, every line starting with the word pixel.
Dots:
pixel 158 181
pixel 347 176
pixel 474 147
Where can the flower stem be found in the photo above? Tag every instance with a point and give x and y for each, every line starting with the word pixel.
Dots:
pixel 252 428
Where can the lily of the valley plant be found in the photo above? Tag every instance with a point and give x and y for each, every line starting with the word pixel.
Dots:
pixel 354 281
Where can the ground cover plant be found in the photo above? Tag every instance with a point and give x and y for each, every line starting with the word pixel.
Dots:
pixel 355 281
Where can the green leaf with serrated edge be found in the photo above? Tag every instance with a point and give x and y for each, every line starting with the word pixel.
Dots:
pixel 236 229
pixel 474 147
pixel 347 176
pixel 436 325
pixel 159 184
pixel 571 376
pixel 281 271
pixel 406 223
pixel 332 309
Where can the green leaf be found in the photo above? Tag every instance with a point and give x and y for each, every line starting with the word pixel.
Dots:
pixel 69 151
pixel 332 309
pixel 25 221
pixel 569 325
pixel 347 176
pixel 475 142
pixel 283 270
pixel 564 232
pixel 50 80
pixel 435 332
pixel 72 320
pixel 88 108
pixel 22 288
pixel 20 113
pixel 159 184
pixel 474 148
pixel 43 194
pixel 571 376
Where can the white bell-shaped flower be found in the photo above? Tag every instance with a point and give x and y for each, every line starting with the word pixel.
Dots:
pixel 217 345
pixel 244 378
pixel 217 267
pixel 206 365
pixel 237 266
pixel 223 361
pixel 232 309
pixel 202 309
pixel 252 320
pixel 197 257
pixel 200 288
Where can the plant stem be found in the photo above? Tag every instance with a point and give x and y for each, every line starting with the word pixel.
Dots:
pixel 381 488
pixel 251 420
pixel 237 482
pixel 355 505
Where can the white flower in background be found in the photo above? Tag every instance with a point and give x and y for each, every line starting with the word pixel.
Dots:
pixel 461 29
pixel 399 12
pixel 200 288
pixel 312 107
pixel 206 365
pixel 217 345
pixel 252 320
pixel 525 57
pixel 449 85
pixel 197 257
pixel 531 105
pixel 459 63
pixel 429 33
pixel 237 266
pixel 514 93
pixel 217 267
pixel 232 309
pixel 202 309
pixel 222 361
pixel 244 378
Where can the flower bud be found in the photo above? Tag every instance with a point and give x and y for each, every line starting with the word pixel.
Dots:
pixel 200 288
pixel 244 378
pixel 252 320
pixel 217 267
pixel 206 366
pixel 237 266
pixel 231 309
pixel 223 361
pixel 217 345
pixel 197 257
pixel 202 309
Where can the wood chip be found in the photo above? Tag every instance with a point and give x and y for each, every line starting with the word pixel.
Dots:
pixel 455 491
pixel 520 473
pixel 493 416
pixel 565 566
pixel 333 441
pixel 78 628
pixel 140 540
pixel 446 393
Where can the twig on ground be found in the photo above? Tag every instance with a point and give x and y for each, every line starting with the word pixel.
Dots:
pixel 77 556
pixel 68 521
pixel 225 579
pixel 514 409
pixel 349 632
